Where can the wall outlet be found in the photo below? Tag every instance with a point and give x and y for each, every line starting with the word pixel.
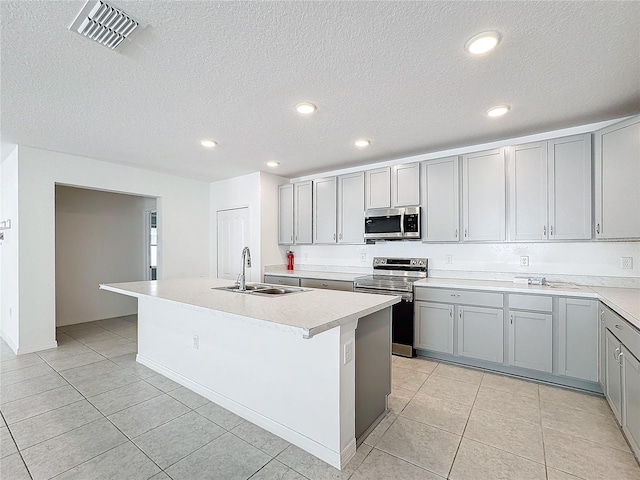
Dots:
pixel 348 352
pixel 448 259
pixel 363 257
pixel 626 263
pixel 196 342
pixel 524 261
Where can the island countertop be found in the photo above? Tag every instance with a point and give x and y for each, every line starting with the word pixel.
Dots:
pixel 309 312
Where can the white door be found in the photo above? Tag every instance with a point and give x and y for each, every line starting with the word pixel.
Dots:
pixel 233 236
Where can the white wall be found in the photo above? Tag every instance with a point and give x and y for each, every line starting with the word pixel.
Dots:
pixel 259 192
pixel 100 238
pixel 183 213
pixel 581 262
pixel 9 300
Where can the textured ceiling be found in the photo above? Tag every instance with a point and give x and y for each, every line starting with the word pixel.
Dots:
pixel 394 72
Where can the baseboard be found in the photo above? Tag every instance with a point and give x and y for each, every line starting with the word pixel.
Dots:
pixel 9 341
pixel 333 458
pixel 37 348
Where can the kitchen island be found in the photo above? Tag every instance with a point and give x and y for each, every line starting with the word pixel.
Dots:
pixel 313 367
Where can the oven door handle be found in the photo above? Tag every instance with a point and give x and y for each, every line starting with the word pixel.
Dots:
pixel 406 296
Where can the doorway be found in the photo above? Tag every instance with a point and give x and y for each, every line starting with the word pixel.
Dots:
pixel 151 244
pixel 233 235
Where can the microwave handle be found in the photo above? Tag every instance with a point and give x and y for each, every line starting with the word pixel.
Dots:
pixel 402 223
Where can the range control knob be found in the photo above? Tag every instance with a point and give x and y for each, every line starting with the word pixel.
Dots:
pixel 413 261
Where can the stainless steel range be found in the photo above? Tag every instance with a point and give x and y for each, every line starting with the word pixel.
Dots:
pixel 395 276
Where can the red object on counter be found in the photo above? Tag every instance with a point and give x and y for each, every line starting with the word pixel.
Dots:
pixel 289 260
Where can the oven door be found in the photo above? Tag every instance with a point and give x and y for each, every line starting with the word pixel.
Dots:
pixel 384 223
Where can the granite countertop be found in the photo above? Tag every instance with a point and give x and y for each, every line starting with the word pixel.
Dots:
pixel 309 312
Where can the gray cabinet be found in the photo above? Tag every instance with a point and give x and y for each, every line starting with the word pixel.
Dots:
pixel 578 338
pixel 303 212
pixel 480 333
pixel 324 210
pixel 405 185
pixel 278 280
pixel 550 189
pixel 441 205
pixel 617 176
pixel 484 196
pixel 613 390
pixel 378 188
pixel 631 398
pixel 531 332
pixel 285 214
pixel 434 326
pixel 327 284
pixel 351 208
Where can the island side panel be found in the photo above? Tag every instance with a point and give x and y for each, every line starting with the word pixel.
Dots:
pixel 276 379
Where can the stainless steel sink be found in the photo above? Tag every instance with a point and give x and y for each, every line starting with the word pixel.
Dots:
pixel 261 289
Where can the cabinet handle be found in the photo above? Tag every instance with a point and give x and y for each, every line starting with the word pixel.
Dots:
pixel 455 235
pixel 620 357
pixel 460 314
pixel 598 228
pixel 615 355
pixel 465 233
pixel 511 318
pixel 292 238
pixel 619 327
pixel 454 295
pixel 340 237
pixel 551 230
pixel 544 230
pixel 450 312
pixel 296 238
pixel 334 236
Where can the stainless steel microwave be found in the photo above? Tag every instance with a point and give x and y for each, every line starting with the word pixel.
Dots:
pixel 392 223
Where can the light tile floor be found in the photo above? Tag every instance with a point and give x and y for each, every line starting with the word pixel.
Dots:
pixel 87 410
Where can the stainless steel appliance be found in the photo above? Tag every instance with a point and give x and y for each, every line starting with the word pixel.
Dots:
pixel 395 276
pixel 392 223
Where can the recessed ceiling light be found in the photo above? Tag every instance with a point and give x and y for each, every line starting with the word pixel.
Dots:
pixel 362 142
pixel 498 111
pixel 273 164
pixel 305 108
pixel 208 143
pixel 482 43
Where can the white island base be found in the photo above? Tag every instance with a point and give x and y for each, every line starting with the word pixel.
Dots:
pixel 305 390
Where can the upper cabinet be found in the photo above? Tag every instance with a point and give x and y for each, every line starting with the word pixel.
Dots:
pixel 550 189
pixel 405 185
pixel 285 214
pixel 378 188
pixel 397 186
pixel 324 210
pixel 617 176
pixel 440 196
pixel 351 208
pixel 302 212
pixel 484 196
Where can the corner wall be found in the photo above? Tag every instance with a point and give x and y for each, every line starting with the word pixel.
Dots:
pixel 183 212
pixel 99 239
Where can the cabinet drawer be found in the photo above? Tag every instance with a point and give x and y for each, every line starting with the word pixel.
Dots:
pixel 291 281
pixel 328 284
pixel 541 303
pixel 464 297
pixel 629 336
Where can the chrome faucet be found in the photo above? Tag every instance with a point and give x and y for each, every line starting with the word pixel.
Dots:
pixel 246 262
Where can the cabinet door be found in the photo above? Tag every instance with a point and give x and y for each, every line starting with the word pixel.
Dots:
pixel 441 209
pixel 480 333
pixel 324 210
pixel 602 354
pixel 378 188
pixel 351 208
pixel 613 389
pixel 528 192
pixel 578 339
pixel 405 185
pixel 570 187
pixel 530 340
pixel 483 196
pixel 631 399
pixel 285 214
pixel 302 212
pixel 434 326
pixel 617 176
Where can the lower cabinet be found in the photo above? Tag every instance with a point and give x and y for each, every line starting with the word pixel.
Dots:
pixel 327 284
pixel 622 374
pixel 578 338
pixel 278 280
pixel 434 326
pixel 480 333
pixel 531 340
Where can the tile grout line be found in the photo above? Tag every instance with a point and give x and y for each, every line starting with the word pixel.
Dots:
pixel 14 442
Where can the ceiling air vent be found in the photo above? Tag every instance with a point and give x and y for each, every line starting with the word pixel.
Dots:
pixel 105 24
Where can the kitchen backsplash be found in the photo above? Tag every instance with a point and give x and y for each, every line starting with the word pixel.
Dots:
pixel 582 263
